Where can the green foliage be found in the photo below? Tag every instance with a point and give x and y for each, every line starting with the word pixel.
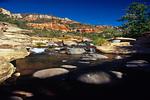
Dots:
pixel 99 41
pixel 112 32
pixel 19 23
pixel 40 44
pixel 42 20
pixel 137 20
pixel 46 33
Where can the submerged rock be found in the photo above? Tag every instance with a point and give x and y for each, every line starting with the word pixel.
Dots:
pixel 88 59
pixel 48 73
pixel 23 93
pixel 76 51
pixel 137 63
pixel 118 74
pixel 94 56
pixel 15 98
pixel 69 66
pixel 95 78
pixel 100 77
pixel 84 62
pixel 118 57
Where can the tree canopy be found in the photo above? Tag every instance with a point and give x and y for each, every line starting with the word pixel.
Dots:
pixel 136 20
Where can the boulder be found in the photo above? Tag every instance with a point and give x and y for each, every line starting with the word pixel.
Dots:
pixel 118 57
pixel 117 74
pixel 95 78
pixel 70 43
pixel 84 62
pixel 98 56
pixel 48 73
pixel 100 77
pixel 76 51
pixel 117 48
pixel 94 56
pixel 13 54
pixel 68 66
pixel 6 69
pixel 12 46
pixel 138 63
pixel 23 93
pixel 15 98
pixel 88 59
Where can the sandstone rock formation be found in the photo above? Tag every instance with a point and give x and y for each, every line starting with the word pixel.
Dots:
pixel 12 47
pixel 48 73
pixel 50 22
pixel 6 69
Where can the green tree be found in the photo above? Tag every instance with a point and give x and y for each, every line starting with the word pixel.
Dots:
pixel 136 20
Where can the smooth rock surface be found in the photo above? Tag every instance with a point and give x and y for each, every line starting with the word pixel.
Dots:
pixel 6 69
pixel 69 66
pixel 118 74
pixel 70 43
pixel 138 63
pixel 95 78
pixel 76 51
pixel 48 73
pixel 15 98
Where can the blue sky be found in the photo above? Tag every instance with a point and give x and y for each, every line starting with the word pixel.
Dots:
pixel 97 12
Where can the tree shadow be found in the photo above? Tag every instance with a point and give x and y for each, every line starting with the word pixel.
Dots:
pixel 134 83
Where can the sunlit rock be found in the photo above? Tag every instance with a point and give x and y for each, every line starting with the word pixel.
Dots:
pixel 48 73
pixel 95 78
pixel 76 51
pixel 69 66
pixel 118 74
pixel 138 63
pixel 23 93
pixel 6 69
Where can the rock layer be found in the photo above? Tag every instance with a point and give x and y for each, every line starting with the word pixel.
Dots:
pixel 12 46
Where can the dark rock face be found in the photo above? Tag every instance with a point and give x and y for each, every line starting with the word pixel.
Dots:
pixel 15 98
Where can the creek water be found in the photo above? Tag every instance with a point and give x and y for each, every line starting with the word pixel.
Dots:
pixel 67 86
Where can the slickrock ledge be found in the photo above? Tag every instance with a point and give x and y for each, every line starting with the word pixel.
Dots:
pixel 12 46
pixel 6 69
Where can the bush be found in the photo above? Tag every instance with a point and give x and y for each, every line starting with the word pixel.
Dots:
pixel 19 23
pixel 100 41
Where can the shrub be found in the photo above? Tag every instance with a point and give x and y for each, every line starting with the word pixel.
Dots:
pixel 100 41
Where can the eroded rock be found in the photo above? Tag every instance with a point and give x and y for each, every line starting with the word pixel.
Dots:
pixel 95 78
pixel 6 69
pixel 69 66
pixel 48 73
pixel 76 51
pixel 138 63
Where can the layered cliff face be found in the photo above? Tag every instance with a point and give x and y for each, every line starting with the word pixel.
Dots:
pixel 50 25
pixel 54 23
pixel 12 46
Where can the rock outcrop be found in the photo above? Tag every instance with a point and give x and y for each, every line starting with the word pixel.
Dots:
pixel 50 22
pixel 6 69
pixel 49 73
pixel 118 46
pixel 51 26
pixel 12 47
